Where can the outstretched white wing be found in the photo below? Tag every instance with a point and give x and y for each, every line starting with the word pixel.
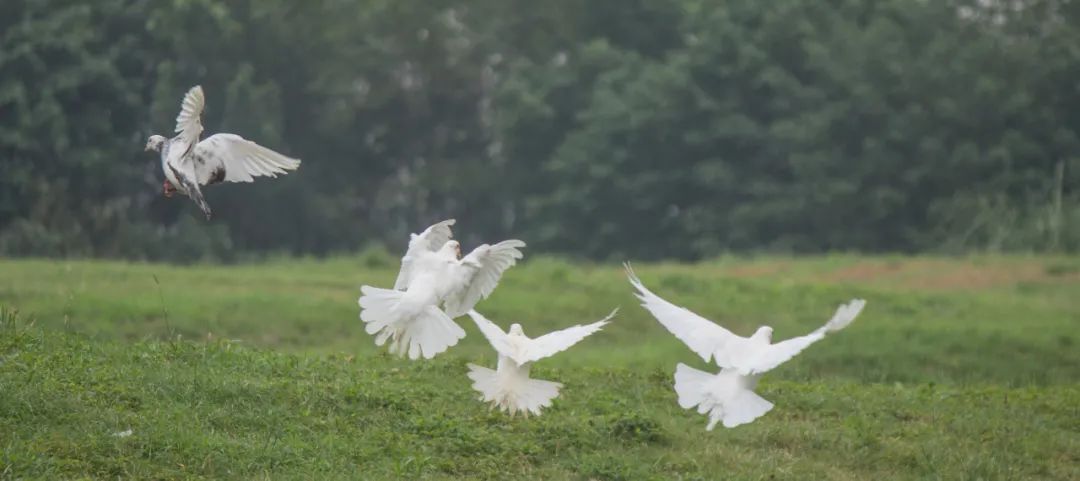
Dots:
pixel 494 334
pixel 558 341
pixel 189 121
pixel 431 240
pixel 701 335
pixel 478 274
pixel 764 359
pixel 188 129
pixel 232 158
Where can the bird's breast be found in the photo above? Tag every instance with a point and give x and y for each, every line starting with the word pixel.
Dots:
pixel 509 368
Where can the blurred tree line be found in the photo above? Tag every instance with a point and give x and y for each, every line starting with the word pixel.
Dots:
pixel 602 128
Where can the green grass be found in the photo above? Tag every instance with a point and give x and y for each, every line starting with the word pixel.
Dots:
pixel 958 369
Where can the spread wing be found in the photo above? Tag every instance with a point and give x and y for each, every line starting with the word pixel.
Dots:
pixel 189 120
pixel 776 354
pixel 478 274
pixel 494 334
pixel 431 240
pixel 701 335
pixel 558 341
pixel 232 158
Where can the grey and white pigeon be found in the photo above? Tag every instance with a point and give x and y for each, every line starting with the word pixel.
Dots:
pixel 189 163
pixel 728 397
pixel 435 285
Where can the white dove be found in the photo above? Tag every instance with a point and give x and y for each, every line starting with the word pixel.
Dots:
pixel 409 315
pixel 189 163
pixel 728 396
pixel 509 387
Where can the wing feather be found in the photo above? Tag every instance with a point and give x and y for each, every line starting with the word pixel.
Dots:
pixel 478 273
pixel 554 342
pixel 701 335
pixel 188 129
pixel 494 334
pixel 189 120
pixel 779 353
pixel 431 240
pixel 232 158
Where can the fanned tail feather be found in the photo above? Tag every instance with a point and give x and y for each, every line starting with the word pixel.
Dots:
pixel 513 392
pixel 377 311
pixel 431 333
pixel 425 334
pixel 721 396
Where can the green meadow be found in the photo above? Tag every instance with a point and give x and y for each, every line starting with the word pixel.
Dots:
pixel 958 368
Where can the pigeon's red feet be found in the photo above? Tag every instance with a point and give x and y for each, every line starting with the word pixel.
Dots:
pixel 169 190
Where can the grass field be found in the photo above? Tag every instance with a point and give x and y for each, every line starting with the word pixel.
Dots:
pixel 964 368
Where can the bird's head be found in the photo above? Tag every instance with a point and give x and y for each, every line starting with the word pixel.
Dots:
pixel 763 332
pixel 453 248
pixel 515 329
pixel 154 143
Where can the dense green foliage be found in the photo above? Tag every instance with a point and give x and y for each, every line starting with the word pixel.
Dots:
pixel 613 128
pixel 956 370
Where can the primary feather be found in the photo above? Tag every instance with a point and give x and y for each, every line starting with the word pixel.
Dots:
pixel 189 120
pixel 701 335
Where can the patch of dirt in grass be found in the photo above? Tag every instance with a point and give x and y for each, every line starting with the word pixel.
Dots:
pixel 865 271
pixel 940 274
pixel 759 269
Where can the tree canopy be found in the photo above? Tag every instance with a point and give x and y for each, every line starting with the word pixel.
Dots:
pixel 605 129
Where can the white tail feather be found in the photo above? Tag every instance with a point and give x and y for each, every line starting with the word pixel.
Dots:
pixel 423 334
pixel 722 396
pixel 511 389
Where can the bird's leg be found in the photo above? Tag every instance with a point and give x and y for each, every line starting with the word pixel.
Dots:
pixel 168 188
